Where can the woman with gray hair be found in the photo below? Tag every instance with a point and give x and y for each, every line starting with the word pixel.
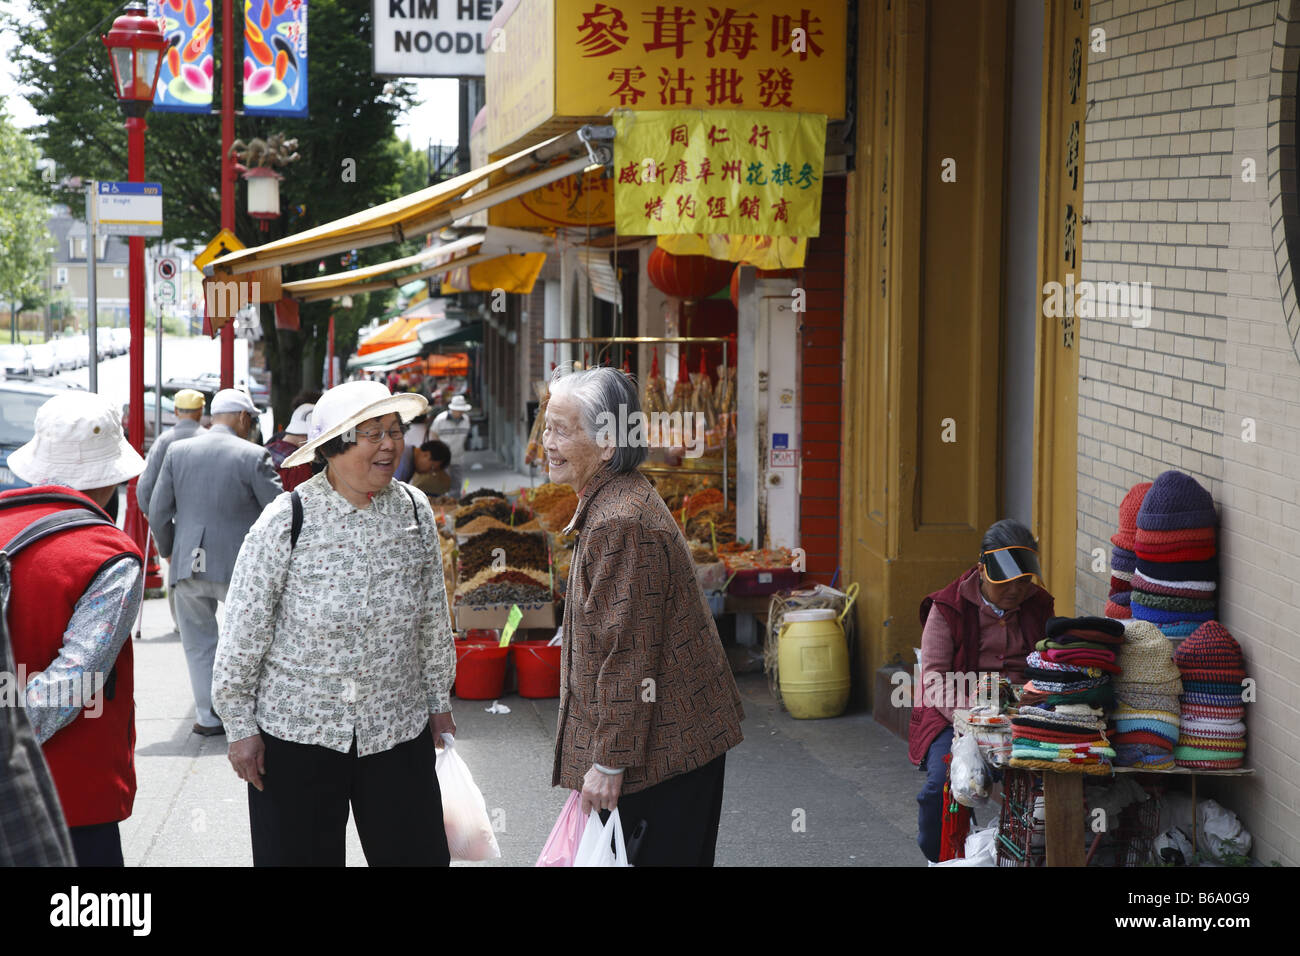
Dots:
pixel 648 706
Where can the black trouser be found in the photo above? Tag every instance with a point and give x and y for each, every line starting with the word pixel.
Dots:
pixel 97 845
pixel 300 816
pixel 681 817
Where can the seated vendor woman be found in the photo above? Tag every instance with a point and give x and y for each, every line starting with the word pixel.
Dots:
pixel 987 620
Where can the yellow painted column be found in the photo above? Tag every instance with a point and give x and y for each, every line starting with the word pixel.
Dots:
pixel 1060 175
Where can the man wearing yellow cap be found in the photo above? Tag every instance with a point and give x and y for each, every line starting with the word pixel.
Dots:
pixel 188 403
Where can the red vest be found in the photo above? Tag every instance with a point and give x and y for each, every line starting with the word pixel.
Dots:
pixel 963 620
pixel 92 760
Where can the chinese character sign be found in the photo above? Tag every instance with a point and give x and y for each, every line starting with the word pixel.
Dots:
pixel 741 172
pixel 749 54
pixel 275 57
pixel 185 76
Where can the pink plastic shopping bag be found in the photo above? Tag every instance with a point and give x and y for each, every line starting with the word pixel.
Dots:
pixel 562 844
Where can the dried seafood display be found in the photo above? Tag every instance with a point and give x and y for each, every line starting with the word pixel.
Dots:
pixel 522 549
pixel 554 505
pixel 482 493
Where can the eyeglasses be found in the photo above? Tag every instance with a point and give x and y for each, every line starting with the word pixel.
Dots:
pixel 376 435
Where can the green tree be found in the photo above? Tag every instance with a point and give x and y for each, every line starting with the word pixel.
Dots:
pixel 24 235
pixel 352 118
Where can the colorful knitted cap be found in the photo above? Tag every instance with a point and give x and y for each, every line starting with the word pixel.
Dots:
pixel 1210 648
pixel 1176 500
pixel 1128 512
pixel 1123 559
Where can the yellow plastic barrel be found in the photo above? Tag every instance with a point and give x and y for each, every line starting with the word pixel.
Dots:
pixel 813 664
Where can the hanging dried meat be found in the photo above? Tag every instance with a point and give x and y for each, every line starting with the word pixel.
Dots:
pixel 655 398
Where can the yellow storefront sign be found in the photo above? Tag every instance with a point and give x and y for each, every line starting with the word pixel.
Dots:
pixel 575 201
pixel 561 62
pixel 739 172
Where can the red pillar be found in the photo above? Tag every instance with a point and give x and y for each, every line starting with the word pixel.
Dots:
pixel 135 523
pixel 228 71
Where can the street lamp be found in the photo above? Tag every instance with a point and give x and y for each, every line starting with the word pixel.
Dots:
pixel 135 45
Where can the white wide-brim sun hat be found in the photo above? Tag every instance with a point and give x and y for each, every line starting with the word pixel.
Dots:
pixel 348 405
pixel 78 444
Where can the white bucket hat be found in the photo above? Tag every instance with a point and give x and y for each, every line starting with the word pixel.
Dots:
pixel 458 404
pixel 78 443
pixel 301 420
pixel 348 405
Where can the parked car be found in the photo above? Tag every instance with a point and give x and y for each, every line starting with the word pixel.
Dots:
pixel 67 354
pixel 260 393
pixel 16 362
pixel 45 361
pixel 19 402
pixel 119 338
pixel 103 343
pixel 169 390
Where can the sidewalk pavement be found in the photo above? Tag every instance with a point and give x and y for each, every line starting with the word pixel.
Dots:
pixel 487 469
pixel 849 777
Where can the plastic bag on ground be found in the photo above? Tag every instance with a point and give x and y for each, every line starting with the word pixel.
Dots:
pixel 981 849
pixel 464 812
pixel 595 849
pixel 562 845
pixel 1221 832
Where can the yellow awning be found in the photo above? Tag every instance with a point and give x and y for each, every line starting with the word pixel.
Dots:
pixel 429 256
pixel 420 212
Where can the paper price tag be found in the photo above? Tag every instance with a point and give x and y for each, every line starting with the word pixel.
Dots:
pixel 512 622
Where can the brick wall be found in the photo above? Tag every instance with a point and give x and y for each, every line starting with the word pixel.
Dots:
pixel 822 372
pixel 1180 97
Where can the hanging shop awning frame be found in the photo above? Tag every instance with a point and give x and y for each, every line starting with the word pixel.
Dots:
pixel 433 208
pixel 492 243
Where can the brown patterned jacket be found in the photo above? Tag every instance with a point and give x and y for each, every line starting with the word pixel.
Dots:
pixel 644 682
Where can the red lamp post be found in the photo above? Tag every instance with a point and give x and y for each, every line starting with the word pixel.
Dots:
pixel 135 45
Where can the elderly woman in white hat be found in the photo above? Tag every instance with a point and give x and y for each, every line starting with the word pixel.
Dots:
pixel 334 671
pixel 74 599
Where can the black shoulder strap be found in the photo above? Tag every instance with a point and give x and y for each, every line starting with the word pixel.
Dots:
pixel 414 510
pixel 51 524
pixel 295 523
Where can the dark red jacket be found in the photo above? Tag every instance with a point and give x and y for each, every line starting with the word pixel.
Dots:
pixel 92 761
pixel 963 620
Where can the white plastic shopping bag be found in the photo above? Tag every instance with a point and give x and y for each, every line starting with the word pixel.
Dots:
pixel 464 812
pixel 594 850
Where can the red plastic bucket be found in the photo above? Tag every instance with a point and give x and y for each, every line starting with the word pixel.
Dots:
pixel 539 669
pixel 480 670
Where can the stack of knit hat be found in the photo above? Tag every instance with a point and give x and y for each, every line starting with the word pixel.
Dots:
pixel 1175 584
pixel 1212 728
pixel 1123 557
pixel 1147 704
pixel 1060 723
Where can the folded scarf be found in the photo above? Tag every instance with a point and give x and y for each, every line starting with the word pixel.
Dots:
pixel 1157 616
pixel 1027 763
pixel 1046 645
pixel 1163 602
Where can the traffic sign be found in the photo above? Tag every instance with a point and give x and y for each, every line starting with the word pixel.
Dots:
pixel 223 243
pixel 165 290
pixel 129 209
pixel 167 268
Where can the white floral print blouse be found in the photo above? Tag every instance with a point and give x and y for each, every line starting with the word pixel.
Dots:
pixel 348 634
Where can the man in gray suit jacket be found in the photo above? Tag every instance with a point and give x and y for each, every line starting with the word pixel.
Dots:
pixel 188 404
pixel 214 487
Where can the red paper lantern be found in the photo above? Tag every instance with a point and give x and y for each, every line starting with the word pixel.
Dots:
pixel 687 277
pixel 762 274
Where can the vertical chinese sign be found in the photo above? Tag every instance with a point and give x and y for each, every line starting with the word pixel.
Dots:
pixel 185 76
pixel 1060 261
pixel 275 57
pixel 740 172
